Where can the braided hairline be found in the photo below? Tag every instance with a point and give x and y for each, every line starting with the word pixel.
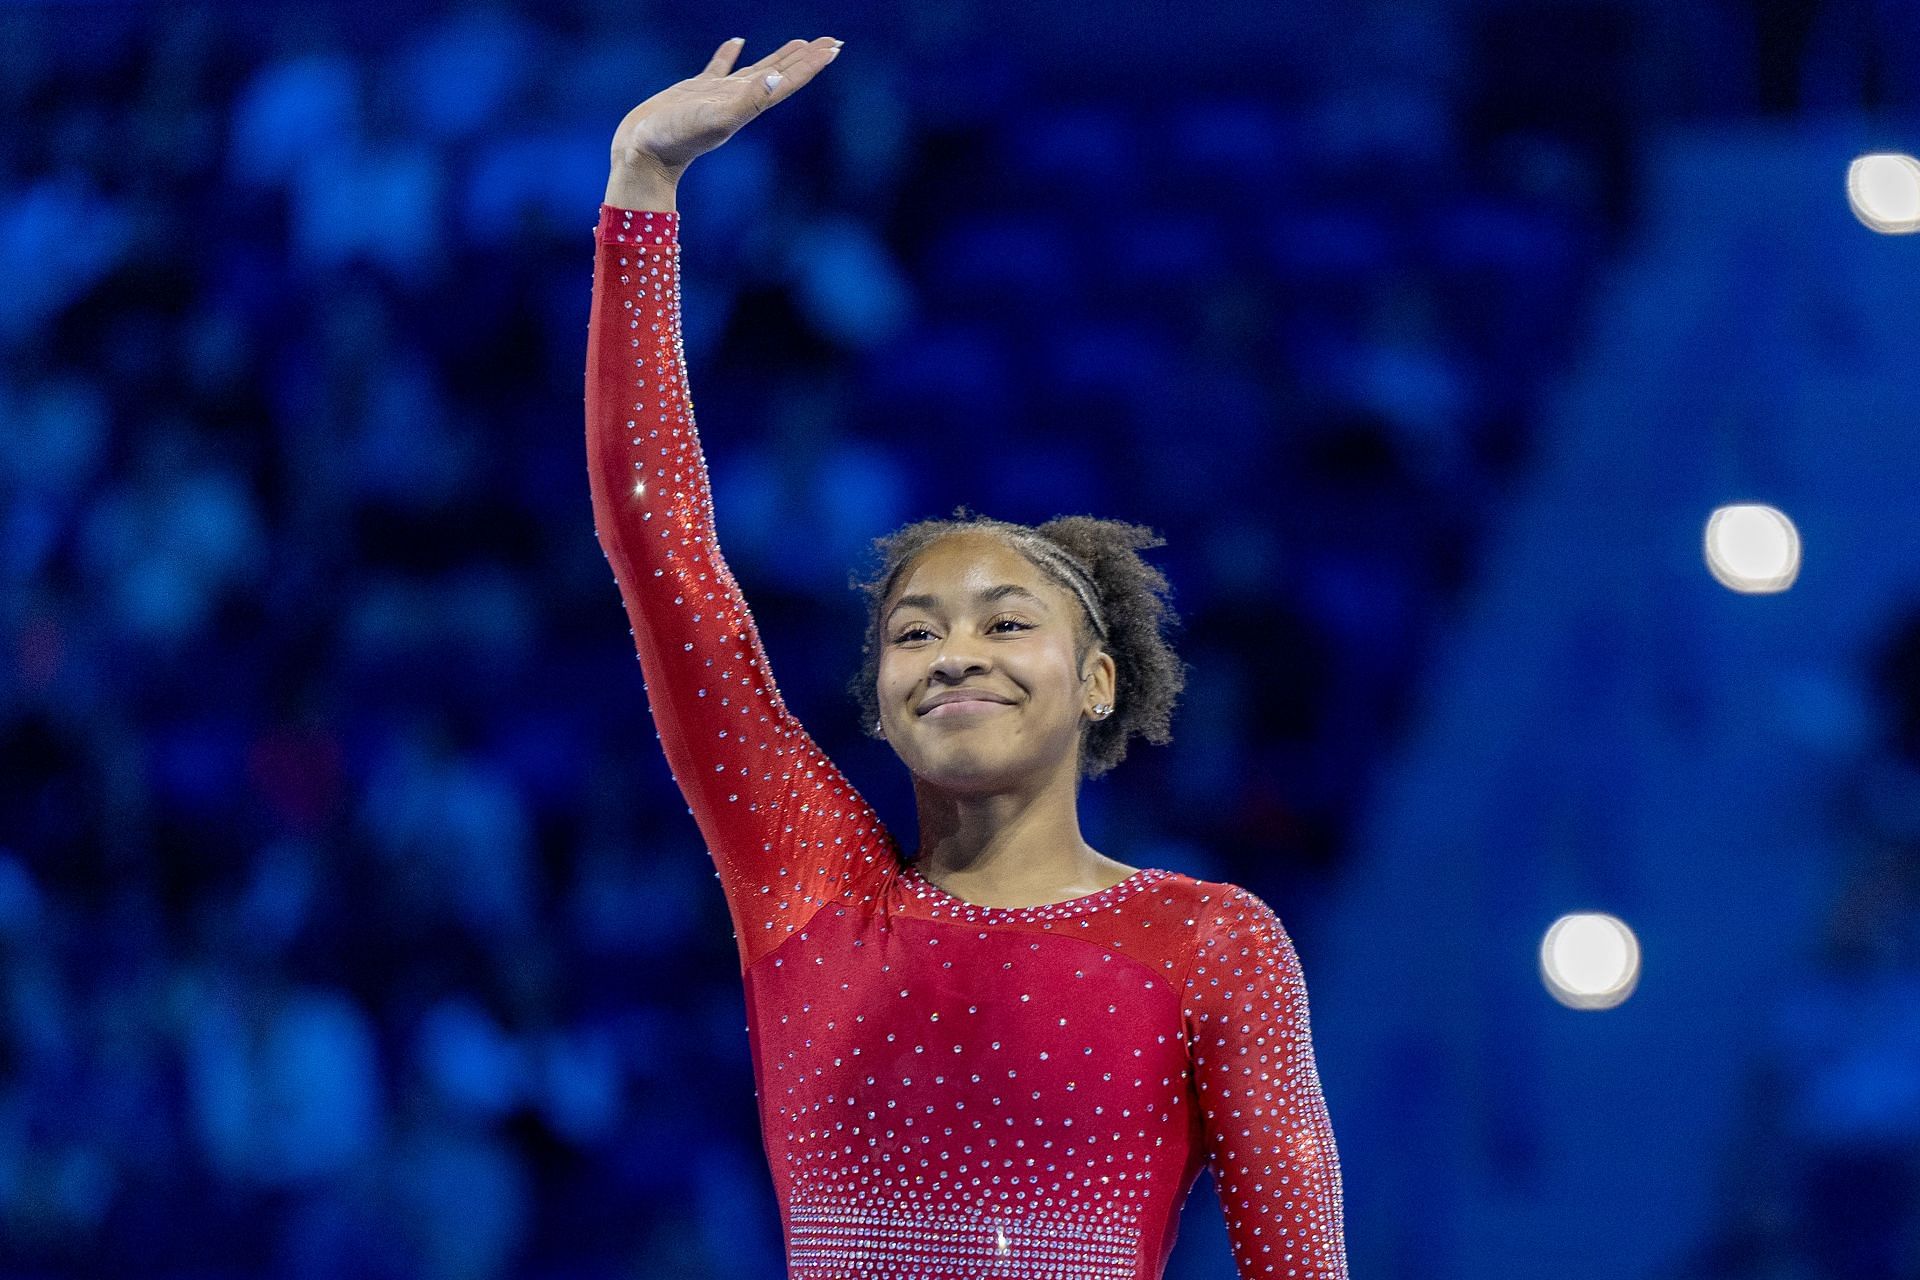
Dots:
pixel 1070 569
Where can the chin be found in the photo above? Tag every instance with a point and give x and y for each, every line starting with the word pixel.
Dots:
pixel 956 768
pixel 967 770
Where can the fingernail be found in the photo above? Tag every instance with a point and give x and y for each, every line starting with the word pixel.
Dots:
pixel 833 53
pixel 738 40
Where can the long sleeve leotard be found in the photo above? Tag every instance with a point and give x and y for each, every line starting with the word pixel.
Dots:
pixel 945 1089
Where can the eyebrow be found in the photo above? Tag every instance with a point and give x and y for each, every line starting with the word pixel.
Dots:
pixel 986 596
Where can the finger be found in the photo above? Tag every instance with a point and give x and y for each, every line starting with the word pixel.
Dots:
pixel 811 52
pixel 767 63
pixel 723 57
pixel 795 70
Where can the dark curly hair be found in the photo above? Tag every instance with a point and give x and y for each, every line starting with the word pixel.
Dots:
pixel 1085 556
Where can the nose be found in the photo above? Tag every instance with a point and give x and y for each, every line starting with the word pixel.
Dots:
pixel 955 663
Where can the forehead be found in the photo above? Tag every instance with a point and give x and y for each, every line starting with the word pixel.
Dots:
pixel 962 563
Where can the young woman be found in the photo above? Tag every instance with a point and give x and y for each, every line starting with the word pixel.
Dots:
pixel 1011 1055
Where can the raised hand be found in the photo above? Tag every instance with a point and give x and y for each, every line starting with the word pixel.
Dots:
pixel 662 135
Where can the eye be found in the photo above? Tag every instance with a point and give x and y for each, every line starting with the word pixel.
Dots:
pixel 917 630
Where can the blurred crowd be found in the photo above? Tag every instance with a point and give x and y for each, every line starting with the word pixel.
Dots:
pixel 1823 1179
pixel 350 923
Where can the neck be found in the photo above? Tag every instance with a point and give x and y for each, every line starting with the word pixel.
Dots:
pixel 1010 848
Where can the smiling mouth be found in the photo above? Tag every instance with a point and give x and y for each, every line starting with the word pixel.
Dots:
pixel 962 705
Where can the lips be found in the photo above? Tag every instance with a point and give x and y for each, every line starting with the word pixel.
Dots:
pixel 962 706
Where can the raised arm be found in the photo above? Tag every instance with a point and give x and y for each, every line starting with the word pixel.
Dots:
pixel 787 832
pixel 1269 1142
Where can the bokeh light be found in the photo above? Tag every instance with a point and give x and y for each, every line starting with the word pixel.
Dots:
pixel 1752 548
pixel 1884 189
pixel 1590 960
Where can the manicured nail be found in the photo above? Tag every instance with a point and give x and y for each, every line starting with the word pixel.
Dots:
pixel 833 53
pixel 738 40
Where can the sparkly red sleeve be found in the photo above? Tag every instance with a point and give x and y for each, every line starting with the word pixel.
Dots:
pixel 785 829
pixel 1269 1143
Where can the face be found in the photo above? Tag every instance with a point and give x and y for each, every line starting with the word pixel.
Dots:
pixel 951 625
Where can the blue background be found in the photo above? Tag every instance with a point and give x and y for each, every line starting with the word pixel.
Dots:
pixel 350 923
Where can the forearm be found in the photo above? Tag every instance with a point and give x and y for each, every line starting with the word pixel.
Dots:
pixel 638 185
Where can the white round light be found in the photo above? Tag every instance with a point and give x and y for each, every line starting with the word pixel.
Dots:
pixel 1590 960
pixel 1752 548
pixel 1884 190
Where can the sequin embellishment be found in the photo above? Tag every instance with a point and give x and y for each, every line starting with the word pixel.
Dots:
pixel 829 1239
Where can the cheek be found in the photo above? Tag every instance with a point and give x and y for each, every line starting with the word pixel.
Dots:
pixel 895 679
pixel 1047 680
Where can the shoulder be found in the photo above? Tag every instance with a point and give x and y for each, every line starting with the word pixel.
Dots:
pixel 1239 952
pixel 1221 907
pixel 1218 916
pixel 1239 931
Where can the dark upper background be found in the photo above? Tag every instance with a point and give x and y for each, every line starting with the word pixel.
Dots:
pixel 349 921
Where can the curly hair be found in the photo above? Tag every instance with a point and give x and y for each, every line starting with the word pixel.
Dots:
pixel 1124 603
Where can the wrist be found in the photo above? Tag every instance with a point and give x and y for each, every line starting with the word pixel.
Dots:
pixel 640 182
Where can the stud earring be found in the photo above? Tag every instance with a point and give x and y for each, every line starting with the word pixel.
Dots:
pixel 1100 711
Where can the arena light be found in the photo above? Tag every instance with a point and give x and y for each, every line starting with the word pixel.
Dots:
pixel 1590 960
pixel 1752 548
pixel 1884 189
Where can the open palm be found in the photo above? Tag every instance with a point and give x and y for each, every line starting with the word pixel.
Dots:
pixel 693 117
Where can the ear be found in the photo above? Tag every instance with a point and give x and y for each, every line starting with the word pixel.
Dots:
pixel 1100 679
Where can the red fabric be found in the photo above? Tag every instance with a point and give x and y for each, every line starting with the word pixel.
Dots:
pixel 945 1090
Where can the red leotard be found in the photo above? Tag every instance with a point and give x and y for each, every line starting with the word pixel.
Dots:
pixel 945 1090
